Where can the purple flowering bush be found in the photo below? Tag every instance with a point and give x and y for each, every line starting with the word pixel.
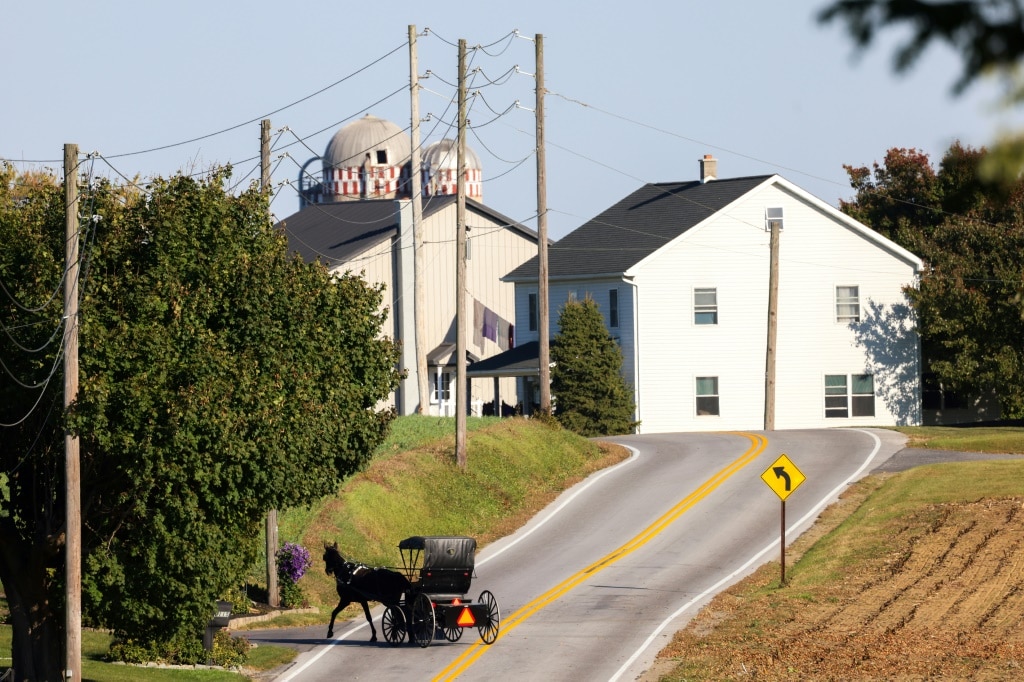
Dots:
pixel 292 562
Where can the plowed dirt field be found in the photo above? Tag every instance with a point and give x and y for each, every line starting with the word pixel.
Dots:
pixel 945 600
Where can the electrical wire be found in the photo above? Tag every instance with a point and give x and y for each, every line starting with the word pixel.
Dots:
pixel 267 115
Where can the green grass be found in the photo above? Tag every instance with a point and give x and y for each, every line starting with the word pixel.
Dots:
pixel 993 439
pixel 95 669
pixel 514 467
pixel 406 433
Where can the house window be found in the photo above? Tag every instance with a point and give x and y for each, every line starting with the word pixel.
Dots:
pixel 442 387
pixel 533 311
pixel 705 306
pixel 847 304
pixel 613 307
pixel 849 396
pixel 707 396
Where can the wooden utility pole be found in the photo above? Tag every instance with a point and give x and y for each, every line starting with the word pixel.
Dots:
pixel 773 326
pixel 461 385
pixel 419 258
pixel 272 592
pixel 72 464
pixel 544 352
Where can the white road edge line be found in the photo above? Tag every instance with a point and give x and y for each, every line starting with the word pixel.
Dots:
pixel 580 489
pixel 589 482
pixel 757 557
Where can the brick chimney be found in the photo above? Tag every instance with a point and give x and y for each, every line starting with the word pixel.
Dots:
pixel 708 168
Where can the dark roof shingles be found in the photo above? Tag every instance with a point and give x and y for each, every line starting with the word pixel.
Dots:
pixel 637 226
pixel 335 233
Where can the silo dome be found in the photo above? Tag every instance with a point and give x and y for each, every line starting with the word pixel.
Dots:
pixel 441 170
pixel 367 159
pixel 384 141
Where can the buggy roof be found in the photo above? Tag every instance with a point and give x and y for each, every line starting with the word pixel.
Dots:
pixel 454 551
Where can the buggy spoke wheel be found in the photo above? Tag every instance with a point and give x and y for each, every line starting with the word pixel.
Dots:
pixel 421 630
pixel 489 627
pixel 392 623
pixel 452 634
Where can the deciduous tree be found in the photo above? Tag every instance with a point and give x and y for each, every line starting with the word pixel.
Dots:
pixel 220 378
pixel 971 235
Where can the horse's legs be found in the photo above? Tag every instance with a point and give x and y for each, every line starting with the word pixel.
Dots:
pixel 369 619
pixel 334 614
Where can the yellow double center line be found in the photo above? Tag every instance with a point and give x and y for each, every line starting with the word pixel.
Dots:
pixel 467 658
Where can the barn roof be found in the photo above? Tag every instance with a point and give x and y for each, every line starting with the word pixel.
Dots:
pixel 337 232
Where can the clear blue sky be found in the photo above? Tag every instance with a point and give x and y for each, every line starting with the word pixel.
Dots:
pixel 639 91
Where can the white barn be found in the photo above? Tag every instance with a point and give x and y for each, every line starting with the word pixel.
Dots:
pixel 681 273
pixel 357 217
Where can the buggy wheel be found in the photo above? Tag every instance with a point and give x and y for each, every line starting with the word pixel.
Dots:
pixel 452 634
pixel 392 624
pixel 489 627
pixel 421 629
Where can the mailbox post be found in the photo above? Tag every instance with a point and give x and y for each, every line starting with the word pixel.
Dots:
pixel 221 619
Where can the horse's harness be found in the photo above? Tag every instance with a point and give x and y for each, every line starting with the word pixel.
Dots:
pixel 354 571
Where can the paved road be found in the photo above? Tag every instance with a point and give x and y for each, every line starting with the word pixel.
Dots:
pixel 594 586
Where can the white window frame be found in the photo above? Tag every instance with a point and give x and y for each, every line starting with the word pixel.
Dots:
pixel 704 309
pixel 713 398
pixel 846 401
pixel 848 305
pixel 445 388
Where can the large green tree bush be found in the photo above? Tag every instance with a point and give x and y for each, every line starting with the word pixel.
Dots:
pixel 970 234
pixel 591 396
pixel 219 378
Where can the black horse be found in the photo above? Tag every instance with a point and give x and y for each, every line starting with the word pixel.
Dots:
pixel 360 584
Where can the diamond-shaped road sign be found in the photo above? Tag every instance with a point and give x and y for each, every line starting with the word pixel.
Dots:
pixel 783 477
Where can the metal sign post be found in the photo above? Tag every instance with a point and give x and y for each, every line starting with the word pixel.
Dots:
pixel 783 478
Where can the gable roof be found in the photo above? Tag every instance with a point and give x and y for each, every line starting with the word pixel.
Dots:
pixel 637 226
pixel 337 232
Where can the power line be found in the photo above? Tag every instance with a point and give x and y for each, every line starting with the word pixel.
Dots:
pixel 248 122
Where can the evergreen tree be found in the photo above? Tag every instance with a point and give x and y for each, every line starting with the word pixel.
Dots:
pixel 591 396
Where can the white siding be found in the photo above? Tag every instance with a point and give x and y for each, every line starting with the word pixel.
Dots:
pixel 730 252
pixel 598 290
pixel 494 250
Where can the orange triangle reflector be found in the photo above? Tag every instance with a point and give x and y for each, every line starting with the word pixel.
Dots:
pixel 466 619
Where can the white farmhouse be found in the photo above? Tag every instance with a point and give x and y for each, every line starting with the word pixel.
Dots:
pixel 681 273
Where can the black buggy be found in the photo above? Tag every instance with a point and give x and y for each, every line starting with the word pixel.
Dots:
pixel 440 571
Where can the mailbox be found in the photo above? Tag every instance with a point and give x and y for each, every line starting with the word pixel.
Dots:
pixel 221 619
